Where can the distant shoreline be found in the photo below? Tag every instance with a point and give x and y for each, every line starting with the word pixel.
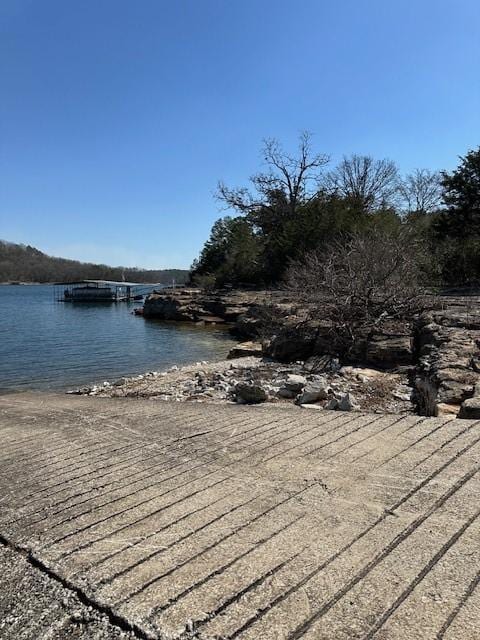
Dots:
pixel 24 264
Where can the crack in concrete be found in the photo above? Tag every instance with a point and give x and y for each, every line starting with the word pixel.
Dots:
pixel 115 619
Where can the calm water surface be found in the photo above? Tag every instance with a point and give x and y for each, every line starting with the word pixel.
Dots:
pixel 50 345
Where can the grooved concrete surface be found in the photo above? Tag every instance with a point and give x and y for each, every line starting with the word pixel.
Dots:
pixel 189 520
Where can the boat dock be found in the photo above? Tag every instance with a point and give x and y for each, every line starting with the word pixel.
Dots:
pixel 101 291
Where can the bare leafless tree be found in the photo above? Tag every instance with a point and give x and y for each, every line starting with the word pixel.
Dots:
pixel 369 182
pixel 421 191
pixel 293 178
pixel 360 283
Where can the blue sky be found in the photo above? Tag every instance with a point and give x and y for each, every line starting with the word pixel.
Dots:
pixel 117 118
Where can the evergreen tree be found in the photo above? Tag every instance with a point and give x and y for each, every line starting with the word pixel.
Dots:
pixel 230 255
pixel 462 198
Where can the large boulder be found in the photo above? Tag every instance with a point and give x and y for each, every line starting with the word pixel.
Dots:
pixel 182 305
pixel 228 306
pixel 454 385
pixel 192 304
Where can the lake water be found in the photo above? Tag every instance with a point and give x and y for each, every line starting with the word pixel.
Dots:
pixel 50 345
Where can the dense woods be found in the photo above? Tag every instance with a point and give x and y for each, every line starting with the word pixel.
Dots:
pixel 20 263
pixel 299 206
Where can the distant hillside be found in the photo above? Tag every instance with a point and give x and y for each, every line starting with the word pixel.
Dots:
pixel 20 263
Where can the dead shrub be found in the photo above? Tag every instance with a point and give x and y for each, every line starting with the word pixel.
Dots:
pixel 360 284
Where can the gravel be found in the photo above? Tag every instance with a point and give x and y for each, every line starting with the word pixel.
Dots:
pixel 342 388
pixel 35 606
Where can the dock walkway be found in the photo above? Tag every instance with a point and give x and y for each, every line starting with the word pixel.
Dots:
pixel 178 520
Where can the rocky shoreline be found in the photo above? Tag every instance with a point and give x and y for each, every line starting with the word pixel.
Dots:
pixel 252 380
pixel 448 358
pixel 431 367
pixel 256 315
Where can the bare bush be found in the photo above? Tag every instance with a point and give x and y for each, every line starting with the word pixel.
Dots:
pixel 360 284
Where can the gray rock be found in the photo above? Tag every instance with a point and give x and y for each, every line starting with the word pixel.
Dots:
pixel 288 394
pixel 453 392
pixel 347 403
pixel 470 409
pixel 314 391
pixel 250 393
pixel 295 382
pixel 332 404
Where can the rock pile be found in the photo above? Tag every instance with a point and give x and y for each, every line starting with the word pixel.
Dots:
pixel 254 380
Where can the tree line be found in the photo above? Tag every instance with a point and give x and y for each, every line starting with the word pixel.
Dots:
pixel 20 263
pixel 298 207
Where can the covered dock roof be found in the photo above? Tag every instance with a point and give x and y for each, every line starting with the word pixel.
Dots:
pixel 109 283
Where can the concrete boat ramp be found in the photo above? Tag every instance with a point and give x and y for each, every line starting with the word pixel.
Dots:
pixel 148 519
